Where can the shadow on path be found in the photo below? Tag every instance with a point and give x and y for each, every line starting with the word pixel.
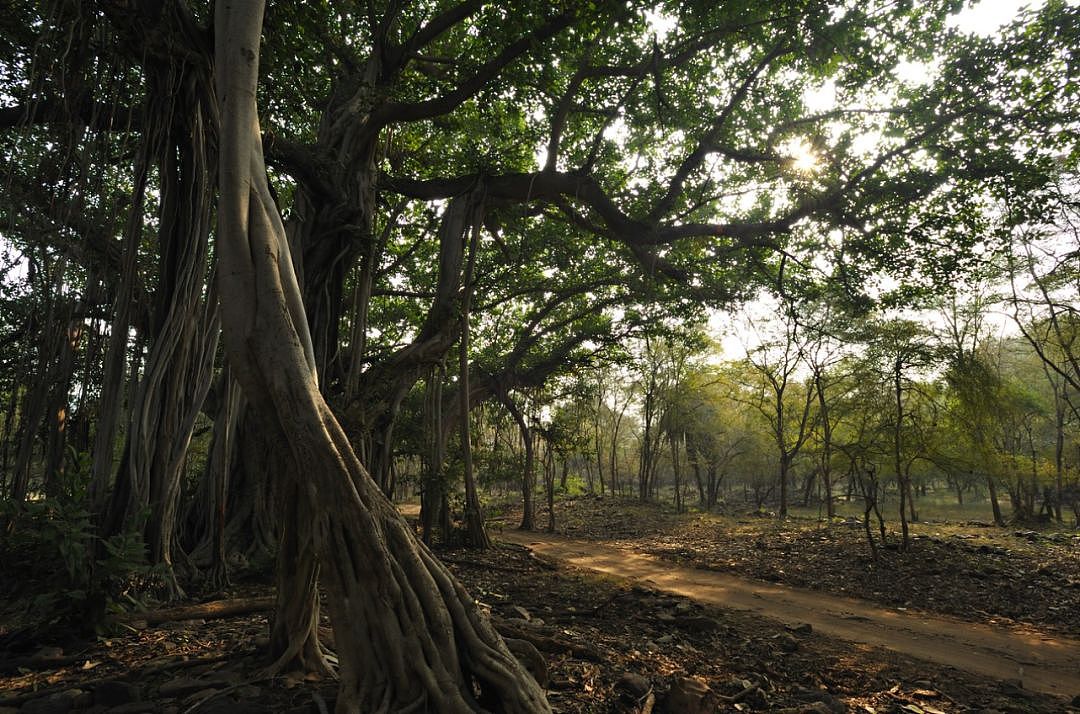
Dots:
pixel 1042 662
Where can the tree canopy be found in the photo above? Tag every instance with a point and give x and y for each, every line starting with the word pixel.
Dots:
pixel 347 192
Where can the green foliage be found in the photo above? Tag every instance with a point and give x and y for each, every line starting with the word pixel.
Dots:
pixel 60 569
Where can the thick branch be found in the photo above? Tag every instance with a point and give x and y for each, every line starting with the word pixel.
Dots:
pixel 391 112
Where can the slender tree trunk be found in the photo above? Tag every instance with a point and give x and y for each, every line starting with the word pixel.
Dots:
pixel 528 477
pixel 598 442
pixel 615 427
pixel 433 512
pixel 549 484
pixel 991 488
pixel 911 497
pixel 713 481
pixel 901 478
pixel 475 533
pixel 218 467
pixel 35 403
pixel 59 407
pixel 677 472
pixel 10 427
pixel 111 402
pixel 826 446
pixel 785 467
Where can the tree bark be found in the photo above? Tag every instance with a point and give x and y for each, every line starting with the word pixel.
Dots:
pixel 476 535
pixel 528 476
pixel 409 636
pixel 112 387
pixel 179 366
pixel 901 476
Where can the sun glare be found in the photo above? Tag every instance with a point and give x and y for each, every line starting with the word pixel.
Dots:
pixel 800 155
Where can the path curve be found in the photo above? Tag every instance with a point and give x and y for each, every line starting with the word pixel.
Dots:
pixel 1042 662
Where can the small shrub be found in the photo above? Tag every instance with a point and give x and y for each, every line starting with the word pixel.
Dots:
pixel 58 571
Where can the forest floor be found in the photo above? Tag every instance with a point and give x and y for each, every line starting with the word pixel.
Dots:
pixel 967 569
pixel 610 645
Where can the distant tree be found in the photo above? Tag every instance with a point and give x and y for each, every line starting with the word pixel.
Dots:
pixel 779 393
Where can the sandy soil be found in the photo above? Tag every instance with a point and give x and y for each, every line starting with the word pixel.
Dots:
pixel 1040 661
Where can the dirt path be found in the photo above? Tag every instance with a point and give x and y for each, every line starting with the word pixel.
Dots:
pixel 1041 662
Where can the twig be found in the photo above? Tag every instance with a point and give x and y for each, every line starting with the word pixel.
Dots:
pixel 477 564
pixel 138 672
pixel 184 663
pixel 552 645
pixel 735 698
pixel 16 663
pixel 219 692
pixel 204 611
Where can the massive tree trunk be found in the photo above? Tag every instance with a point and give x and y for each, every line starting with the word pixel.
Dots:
pixel 409 636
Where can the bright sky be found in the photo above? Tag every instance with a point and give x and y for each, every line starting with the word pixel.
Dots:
pixel 986 17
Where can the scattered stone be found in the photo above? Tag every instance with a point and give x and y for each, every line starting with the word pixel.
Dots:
pixel 684 606
pixel 734 686
pixel 134 708
pixel 697 623
pixel 787 642
pixel 819 699
pixel 815 708
pixel 250 691
pixel 804 628
pixel 632 687
pixel 225 705
pixel 115 694
pixel 517 622
pixel 691 695
pixel 59 703
pixel 184 686
pixel 200 696
pixel 758 699
pixel 518 611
